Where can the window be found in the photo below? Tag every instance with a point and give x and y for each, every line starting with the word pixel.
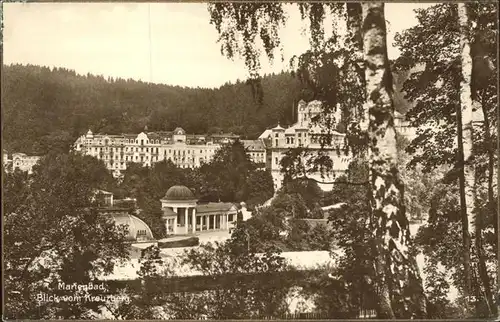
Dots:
pixel 276 160
pixel 276 142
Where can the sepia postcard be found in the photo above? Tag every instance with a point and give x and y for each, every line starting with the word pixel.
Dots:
pixel 250 160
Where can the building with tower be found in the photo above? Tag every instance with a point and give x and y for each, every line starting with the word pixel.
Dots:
pixel 307 134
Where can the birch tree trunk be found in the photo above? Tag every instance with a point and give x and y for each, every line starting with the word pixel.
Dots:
pixel 467 201
pixel 355 42
pixel 466 104
pixel 481 118
pixel 400 286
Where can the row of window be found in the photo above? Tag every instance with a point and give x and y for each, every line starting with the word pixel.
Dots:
pixel 178 152
pixel 288 141
pixel 299 134
pixel 123 141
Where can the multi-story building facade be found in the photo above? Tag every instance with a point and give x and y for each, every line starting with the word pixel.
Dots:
pixel 24 162
pixel 307 134
pixel 191 151
pixel 184 150
pixel 256 150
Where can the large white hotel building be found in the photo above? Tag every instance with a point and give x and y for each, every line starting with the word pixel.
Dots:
pixel 190 151
pixel 146 148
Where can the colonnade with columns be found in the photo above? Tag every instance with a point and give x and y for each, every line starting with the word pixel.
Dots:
pixel 185 220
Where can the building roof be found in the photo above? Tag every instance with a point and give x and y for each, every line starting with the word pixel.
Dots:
pixel 253 145
pixel 133 224
pixel 220 207
pixel 224 135
pixel 103 192
pixel 278 128
pixel 176 193
pixel 265 134
pixel 179 131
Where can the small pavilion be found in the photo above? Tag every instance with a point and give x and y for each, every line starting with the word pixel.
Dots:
pixel 182 214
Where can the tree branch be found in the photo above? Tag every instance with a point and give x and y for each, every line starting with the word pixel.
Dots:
pixel 361 183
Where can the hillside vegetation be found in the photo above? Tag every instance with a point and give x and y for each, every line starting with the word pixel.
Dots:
pixel 46 109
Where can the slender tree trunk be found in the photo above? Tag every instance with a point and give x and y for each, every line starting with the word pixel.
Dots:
pixel 466 105
pixel 401 292
pixel 479 56
pixel 355 43
pixel 463 210
pixel 497 226
pixel 354 20
pixel 483 272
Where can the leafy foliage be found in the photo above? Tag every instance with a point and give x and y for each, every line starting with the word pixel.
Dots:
pixel 231 176
pixel 53 235
pixel 434 88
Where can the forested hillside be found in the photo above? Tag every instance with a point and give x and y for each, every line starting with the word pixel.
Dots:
pixel 46 109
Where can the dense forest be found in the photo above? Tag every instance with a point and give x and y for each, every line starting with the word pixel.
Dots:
pixel 46 109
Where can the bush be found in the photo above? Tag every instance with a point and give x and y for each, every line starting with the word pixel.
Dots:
pixel 188 242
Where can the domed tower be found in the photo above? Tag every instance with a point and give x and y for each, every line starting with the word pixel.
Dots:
pixel 278 134
pixel 179 210
pixel 301 112
pixel 179 135
pixel 89 135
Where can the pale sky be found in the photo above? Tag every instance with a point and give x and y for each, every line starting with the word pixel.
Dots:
pixel 113 39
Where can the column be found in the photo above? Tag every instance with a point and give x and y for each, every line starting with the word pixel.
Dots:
pixel 220 221
pixel 175 225
pixel 176 220
pixel 193 219
pixel 186 220
pixel 227 221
